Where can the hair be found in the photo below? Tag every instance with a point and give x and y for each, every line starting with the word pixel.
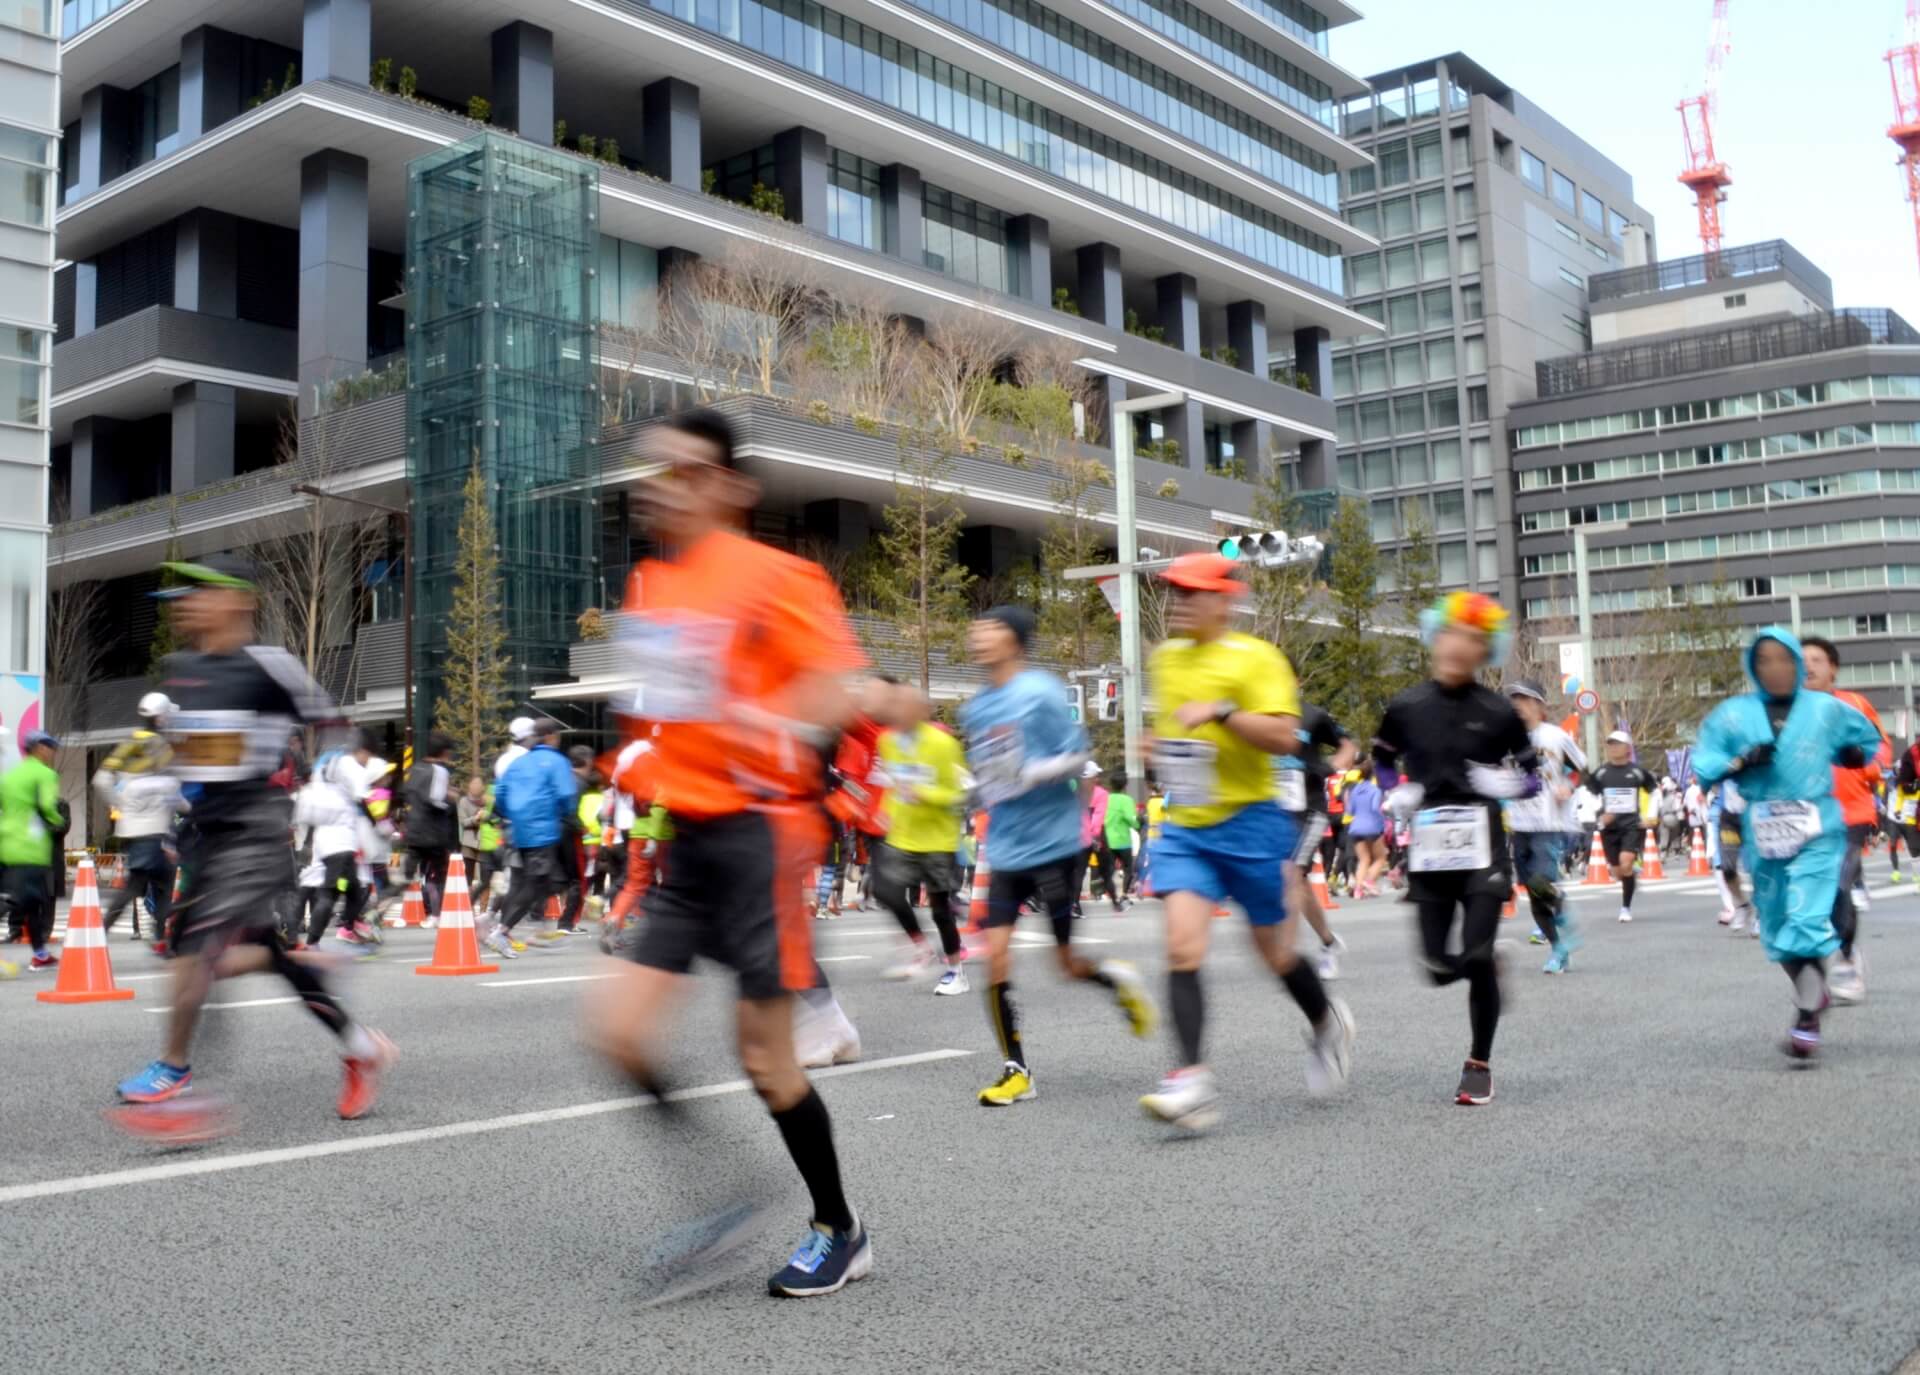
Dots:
pixel 888 679
pixel 1366 769
pixel 439 743
pixel 705 423
pixel 580 756
pixel 1824 645
pixel 363 740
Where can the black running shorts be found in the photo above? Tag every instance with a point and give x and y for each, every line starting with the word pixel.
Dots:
pixel 1628 840
pixel 1054 885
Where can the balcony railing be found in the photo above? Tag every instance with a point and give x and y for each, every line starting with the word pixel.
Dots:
pixel 184 336
pixel 1729 264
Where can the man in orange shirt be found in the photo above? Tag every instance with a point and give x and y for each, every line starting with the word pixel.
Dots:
pixel 1853 790
pixel 742 654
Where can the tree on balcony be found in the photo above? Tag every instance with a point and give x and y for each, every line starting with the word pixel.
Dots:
pixel 917 585
pixel 473 698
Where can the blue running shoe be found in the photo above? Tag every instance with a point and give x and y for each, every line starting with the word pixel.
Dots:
pixel 1570 937
pixel 156 1083
pixel 824 1263
pixel 1557 961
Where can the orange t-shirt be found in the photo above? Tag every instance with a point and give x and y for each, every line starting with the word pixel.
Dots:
pixel 858 801
pixel 1853 788
pixel 730 624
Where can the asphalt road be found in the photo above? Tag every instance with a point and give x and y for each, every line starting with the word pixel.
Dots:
pixel 1655 1189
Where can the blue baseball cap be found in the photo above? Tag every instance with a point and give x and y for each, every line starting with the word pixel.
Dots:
pixel 36 738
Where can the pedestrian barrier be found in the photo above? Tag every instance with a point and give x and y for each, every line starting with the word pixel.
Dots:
pixel 413 910
pixel 1697 866
pixel 1651 869
pixel 456 949
pixel 1319 881
pixel 86 971
pixel 1597 870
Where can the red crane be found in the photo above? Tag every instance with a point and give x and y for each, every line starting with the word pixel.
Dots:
pixel 1904 65
pixel 1705 175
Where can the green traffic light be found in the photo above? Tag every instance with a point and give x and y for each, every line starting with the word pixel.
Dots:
pixel 1230 547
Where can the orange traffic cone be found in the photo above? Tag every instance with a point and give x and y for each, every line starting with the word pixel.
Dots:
pixel 1511 908
pixel 1597 870
pixel 1697 866
pixel 86 974
pixel 554 912
pixel 982 877
pixel 413 911
pixel 1319 881
pixel 1651 869
pixel 456 950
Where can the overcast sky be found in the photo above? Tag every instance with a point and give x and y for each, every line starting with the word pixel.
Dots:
pixel 1804 109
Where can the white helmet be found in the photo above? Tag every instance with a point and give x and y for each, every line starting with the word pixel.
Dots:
pixel 155 705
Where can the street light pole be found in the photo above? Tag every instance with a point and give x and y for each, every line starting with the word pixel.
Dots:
pixel 1132 715
pixel 405 516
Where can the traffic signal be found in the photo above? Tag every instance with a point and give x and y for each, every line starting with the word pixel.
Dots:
pixel 1269 548
pixel 1076 703
pixel 1109 699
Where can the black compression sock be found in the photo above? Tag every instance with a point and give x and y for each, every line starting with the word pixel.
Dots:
pixel 1307 990
pixel 808 1132
pixel 1627 885
pixel 1189 1012
pixel 1006 1023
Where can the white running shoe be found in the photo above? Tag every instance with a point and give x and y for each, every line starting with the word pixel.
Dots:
pixel 1330 1051
pixel 1327 963
pixel 914 961
pixel 1860 903
pixel 1726 917
pixel 1186 1099
pixel 1847 981
pixel 501 944
pixel 952 983
pixel 1626 914
pixel 1738 921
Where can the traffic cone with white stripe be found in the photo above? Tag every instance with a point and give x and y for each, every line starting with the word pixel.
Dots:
pixel 982 877
pixel 1651 869
pixel 1697 866
pixel 456 950
pixel 413 911
pixel 86 972
pixel 1319 881
pixel 1597 870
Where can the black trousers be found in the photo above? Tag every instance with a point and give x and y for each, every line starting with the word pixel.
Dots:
pixel 433 877
pixel 342 881
pixel 1476 896
pixel 541 874
pixel 149 875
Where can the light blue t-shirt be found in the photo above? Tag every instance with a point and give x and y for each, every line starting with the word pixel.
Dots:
pixel 1007 727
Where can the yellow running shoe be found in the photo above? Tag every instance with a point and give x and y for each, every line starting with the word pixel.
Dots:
pixel 9 970
pixel 1013 1085
pixel 1130 991
pixel 519 947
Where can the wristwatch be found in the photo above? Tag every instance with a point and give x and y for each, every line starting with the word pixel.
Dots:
pixel 1223 710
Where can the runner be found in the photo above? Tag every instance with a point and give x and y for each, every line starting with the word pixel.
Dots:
pixel 1539 824
pixel 1625 790
pixel 1025 750
pixel 29 814
pixel 145 801
pixel 1225 703
pixel 331 809
pixel 743 653
pixel 1853 789
pixel 235 702
pixel 538 795
pixel 1463 750
pixel 433 823
pixel 1302 780
pixel 1780 743
pixel 923 765
pixel 1903 807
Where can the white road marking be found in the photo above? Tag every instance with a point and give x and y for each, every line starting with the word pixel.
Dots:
pixel 220 1007
pixel 841 959
pixel 220 1164
pixel 141 978
pixel 551 979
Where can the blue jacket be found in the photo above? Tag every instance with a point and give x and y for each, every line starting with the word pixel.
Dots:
pixel 535 794
pixel 1794 896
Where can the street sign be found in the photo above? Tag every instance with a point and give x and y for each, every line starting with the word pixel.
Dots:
pixel 1587 702
pixel 1573 659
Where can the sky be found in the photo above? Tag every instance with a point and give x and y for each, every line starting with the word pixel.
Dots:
pixel 1805 102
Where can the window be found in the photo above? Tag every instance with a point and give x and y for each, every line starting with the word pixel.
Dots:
pixel 35 16
pixel 1477 404
pixel 1343 377
pixel 1533 171
pixel 1372 310
pixel 1476 353
pixel 1457 94
pixel 629 279
pixel 1577 326
pixel 1572 278
pixel 1426 157
pixel 1446 457
pixel 1406 365
pixel 1460 149
pixel 23 572
pixel 1594 213
pixel 1445 405
pixel 1409 415
pixel 1432 210
pixel 23 354
pixel 1488 556
pixel 1396 217
pixel 1469 252
pixel 26 193
pixel 1599 252
pixel 1343 424
pixel 1433 259
pixel 1439 308
pixel 1453 563
pixel 1563 191
pixel 1402 269
pixel 1440 360
pixel 965 239
pixel 1348 466
pixel 1403 315
pixel 1384 518
pixel 1449 511
pixel 1376 420
pixel 1365 218
pixel 1482 457
pixel 1363 273
pixel 1370 371
pixel 1483 512
pixel 1616 225
pixel 1377 467
pixel 853 198
pixel 1567 230
pixel 1466 203
pixel 1735 301
pixel 1471 307
pixel 1426 97
pixel 1360 180
pixel 1393 164
pixel 1412 459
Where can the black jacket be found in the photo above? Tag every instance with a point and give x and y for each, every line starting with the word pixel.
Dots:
pixel 432 822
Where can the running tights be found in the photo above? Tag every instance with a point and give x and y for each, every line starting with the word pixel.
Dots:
pixel 898 899
pixel 1474 963
pixel 314 993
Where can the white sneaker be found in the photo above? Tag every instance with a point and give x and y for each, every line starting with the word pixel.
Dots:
pixel 1847 981
pixel 1186 1099
pixel 952 983
pixel 1327 963
pixel 1860 903
pixel 1626 914
pixel 500 944
pixel 914 961
pixel 1330 1050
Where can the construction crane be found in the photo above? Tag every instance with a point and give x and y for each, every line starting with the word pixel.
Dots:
pixel 1904 65
pixel 1705 175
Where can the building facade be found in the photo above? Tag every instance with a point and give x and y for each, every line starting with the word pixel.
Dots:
pixel 1491 218
pixel 29 153
pixel 1735 434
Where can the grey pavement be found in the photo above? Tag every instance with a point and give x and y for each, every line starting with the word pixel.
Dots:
pixel 1654 1189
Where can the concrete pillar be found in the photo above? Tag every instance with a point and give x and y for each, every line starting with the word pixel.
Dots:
pixel 86 298
pixel 106 138
pixel 92 486
pixel 800 175
pixel 989 551
pixel 1101 297
pixel 203 429
pixel 1250 441
pixel 1106 391
pixel 1031 243
pixel 336 41
pixel 1247 335
pixel 333 270
pixel 670 132
pixel 1186 426
pixel 523 81
pixel 206 250
pixel 1179 297
pixel 903 213
pixel 1313 355
pixel 210 92
pixel 843 524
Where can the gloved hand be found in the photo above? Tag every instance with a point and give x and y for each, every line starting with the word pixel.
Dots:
pixel 1490 781
pixel 1405 800
pixel 1757 756
pixel 1851 757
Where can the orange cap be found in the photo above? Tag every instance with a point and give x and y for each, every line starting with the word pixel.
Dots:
pixel 1204 573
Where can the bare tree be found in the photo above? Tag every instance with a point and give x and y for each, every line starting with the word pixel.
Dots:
pixel 858 357
pixel 956 371
pixel 74 647
pixel 755 307
pixel 1666 663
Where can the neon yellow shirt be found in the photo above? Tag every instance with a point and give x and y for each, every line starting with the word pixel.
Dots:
pixel 1156 813
pixel 928 761
pixel 1209 772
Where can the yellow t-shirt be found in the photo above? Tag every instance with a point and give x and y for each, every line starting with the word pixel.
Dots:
pixel 929 761
pixel 1156 813
pixel 1210 773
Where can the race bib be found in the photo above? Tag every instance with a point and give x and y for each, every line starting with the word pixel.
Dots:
pixel 1451 840
pixel 1908 810
pixel 682 664
pixel 1782 829
pixel 1186 769
pixel 1293 789
pixel 1620 801
pixel 996 758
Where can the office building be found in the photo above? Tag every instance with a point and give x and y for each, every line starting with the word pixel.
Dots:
pixel 1491 217
pixel 418 223
pixel 1731 429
